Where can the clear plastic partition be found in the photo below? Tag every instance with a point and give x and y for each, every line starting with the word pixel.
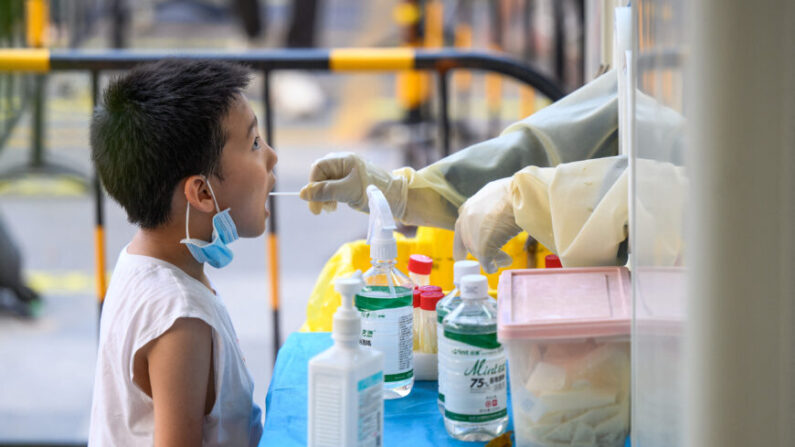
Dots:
pixel 658 194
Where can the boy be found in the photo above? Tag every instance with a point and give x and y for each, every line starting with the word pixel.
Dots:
pixel 176 144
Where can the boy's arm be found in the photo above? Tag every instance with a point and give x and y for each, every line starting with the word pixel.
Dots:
pixel 179 363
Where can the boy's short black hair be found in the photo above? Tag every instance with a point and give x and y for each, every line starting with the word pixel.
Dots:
pixel 158 124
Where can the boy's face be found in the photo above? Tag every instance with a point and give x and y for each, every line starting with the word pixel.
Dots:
pixel 247 167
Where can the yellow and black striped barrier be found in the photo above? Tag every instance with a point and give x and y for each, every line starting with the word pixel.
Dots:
pixel 441 61
pixel 347 59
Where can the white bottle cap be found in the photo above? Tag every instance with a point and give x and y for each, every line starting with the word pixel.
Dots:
pixel 474 287
pixel 464 268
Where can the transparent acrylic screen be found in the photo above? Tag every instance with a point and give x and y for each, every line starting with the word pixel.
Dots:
pixel 657 221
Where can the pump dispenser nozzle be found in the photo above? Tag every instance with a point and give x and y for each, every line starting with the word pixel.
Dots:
pixel 346 320
pixel 379 233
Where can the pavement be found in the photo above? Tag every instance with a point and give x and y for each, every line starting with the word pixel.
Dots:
pixel 47 368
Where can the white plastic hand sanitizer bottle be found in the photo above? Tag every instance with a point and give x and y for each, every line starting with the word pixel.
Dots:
pixel 386 300
pixel 346 404
pixel 475 376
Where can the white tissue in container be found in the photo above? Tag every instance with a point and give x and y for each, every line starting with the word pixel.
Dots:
pixel 566 332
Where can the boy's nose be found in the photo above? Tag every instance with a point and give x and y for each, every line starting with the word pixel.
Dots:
pixel 272 159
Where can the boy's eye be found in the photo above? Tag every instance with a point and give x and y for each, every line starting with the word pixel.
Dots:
pixel 257 143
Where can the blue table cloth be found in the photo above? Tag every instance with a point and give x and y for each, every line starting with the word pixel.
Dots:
pixel 411 421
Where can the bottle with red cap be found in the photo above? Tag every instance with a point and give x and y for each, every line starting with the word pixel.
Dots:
pixel 418 291
pixel 420 267
pixel 429 288
pixel 552 262
pixel 416 305
pixel 427 320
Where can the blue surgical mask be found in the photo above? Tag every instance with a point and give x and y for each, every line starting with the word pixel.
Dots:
pixel 215 253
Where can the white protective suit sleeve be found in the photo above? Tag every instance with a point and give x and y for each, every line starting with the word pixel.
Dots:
pixel 581 126
pixel 579 210
pixel 552 200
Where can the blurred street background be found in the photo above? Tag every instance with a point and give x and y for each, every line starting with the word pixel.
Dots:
pixel 47 358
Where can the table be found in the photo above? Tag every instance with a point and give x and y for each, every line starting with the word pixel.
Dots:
pixel 411 421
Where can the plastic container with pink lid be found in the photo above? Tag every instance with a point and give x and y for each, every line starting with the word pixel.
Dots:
pixel 566 332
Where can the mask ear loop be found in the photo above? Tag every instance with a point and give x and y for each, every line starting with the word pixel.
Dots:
pixel 217 210
pixel 187 219
pixel 187 209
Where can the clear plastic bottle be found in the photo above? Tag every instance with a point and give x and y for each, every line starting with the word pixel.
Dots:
pixel 475 375
pixel 447 305
pixel 386 302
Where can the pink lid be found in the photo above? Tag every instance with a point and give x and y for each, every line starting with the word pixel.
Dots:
pixel 573 303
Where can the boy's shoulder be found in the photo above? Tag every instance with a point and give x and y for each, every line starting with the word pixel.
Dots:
pixel 150 287
pixel 145 272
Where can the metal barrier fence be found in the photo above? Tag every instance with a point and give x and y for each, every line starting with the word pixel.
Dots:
pixel 442 62
pixel 14 87
pixel 26 24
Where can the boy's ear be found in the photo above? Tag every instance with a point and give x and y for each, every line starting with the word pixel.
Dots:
pixel 197 193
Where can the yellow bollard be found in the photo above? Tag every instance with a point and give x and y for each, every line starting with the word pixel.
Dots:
pixel 99 256
pixel 37 17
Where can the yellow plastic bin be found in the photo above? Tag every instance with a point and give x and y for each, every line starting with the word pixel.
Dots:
pixel 433 242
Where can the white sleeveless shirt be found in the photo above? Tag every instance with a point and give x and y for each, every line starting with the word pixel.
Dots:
pixel 145 297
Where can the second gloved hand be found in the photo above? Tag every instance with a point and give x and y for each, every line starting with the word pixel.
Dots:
pixel 344 177
pixel 486 223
